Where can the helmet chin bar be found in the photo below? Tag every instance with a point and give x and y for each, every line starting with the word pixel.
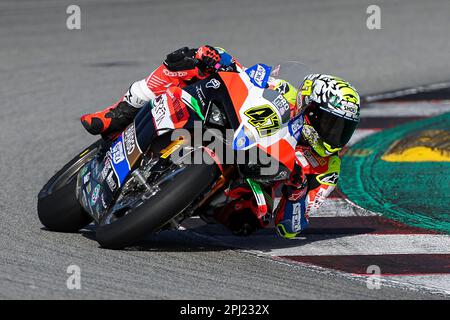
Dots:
pixel 320 147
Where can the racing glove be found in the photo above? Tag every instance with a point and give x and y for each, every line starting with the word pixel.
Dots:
pixel 181 60
pixel 208 59
pixel 200 62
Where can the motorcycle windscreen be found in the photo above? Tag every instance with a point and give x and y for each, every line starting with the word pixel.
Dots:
pixel 292 71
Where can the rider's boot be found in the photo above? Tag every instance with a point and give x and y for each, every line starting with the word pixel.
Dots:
pixel 111 120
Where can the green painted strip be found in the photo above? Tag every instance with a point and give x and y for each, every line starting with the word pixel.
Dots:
pixel 414 193
pixel 257 191
pixel 196 107
pixel 256 188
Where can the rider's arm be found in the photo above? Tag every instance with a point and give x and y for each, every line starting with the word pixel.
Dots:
pixel 179 66
pixel 304 195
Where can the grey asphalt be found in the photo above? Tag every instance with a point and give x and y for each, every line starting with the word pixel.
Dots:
pixel 49 76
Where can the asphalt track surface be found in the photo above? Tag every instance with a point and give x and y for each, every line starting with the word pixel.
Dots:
pixel 49 76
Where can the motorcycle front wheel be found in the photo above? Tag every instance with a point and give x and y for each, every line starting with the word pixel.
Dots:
pixel 146 216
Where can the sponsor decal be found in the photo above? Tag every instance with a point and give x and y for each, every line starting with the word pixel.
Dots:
pixel 307 87
pixel 132 149
pixel 317 199
pixel 117 153
pixel 213 83
pixel 296 126
pixel 344 105
pixel 86 178
pixel 200 94
pixel 161 114
pixel 281 104
pixel 301 159
pixel 120 163
pixel 129 139
pixel 95 194
pixel 241 140
pixel 311 159
pixel 176 74
pixel 106 169
pixel 127 96
pixel 133 100
pixel 296 216
pixel 283 88
pixel 179 110
pixel 259 74
pixel 111 182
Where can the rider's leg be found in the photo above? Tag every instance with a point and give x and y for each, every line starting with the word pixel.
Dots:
pixel 117 117
pixel 111 120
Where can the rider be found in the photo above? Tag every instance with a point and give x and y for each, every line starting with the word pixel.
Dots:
pixel 331 113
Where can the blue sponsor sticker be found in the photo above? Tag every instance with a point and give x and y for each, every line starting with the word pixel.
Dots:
pixel 241 141
pixel 119 160
pixel 259 74
pixel 296 126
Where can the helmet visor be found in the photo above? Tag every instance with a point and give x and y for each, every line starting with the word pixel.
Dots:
pixel 332 129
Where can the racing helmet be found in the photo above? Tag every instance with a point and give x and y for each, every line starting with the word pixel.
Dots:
pixel 331 108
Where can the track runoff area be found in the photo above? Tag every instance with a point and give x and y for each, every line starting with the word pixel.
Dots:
pixel 388 223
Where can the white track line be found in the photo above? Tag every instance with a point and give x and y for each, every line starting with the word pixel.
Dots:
pixel 405 92
pixel 435 282
pixel 366 244
pixel 410 109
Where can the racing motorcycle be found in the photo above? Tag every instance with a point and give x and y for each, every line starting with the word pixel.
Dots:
pixel 144 180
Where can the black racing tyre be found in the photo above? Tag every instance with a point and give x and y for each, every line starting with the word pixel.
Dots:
pixel 58 208
pixel 174 196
